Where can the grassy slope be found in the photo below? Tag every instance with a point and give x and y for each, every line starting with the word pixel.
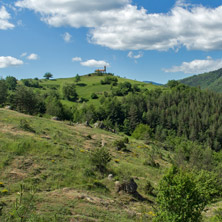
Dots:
pixel 54 160
pixel 211 80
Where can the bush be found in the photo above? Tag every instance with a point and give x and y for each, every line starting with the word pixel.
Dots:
pixel 25 125
pixel 100 158
pixel 69 92
pixel 109 80
pixel 126 140
pixel 151 162
pixel 94 96
pixel 142 131
pixel 119 144
pixel 179 197
pixel 148 188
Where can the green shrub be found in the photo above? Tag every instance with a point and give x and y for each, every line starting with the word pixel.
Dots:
pixel 126 140
pixel 148 188
pixel 180 198
pixel 109 80
pixel 151 162
pixel 119 144
pixel 25 125
pixel 94 96
pixel 142 131
pixel 100 158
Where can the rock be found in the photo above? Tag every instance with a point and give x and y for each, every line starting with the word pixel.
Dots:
pixel 103 143
pixel 8 107
pixel 110 177
pixel 55 118
pixel 117 186
pixel 99 125
pixel 86 123
pixel 128 186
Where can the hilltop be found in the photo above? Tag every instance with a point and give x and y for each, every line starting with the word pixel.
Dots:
pixel 211 80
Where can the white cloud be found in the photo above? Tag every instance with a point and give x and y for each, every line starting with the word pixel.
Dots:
pixel 76 59
pixel 118 24
pixel 94 63
pixel 67 37
pixel 7 61
pixel 197 66
pixel 32 56
pixel 23 54
pixel 132 56
pixel 4 17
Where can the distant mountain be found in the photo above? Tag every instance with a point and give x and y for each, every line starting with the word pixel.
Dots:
pixel 154 83
pixel 211 80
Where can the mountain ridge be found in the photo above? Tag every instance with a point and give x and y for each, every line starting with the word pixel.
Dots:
pixel 210 80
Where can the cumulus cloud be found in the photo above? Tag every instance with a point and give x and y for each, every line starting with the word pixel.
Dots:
pixel 67 37
pixel 4 17
pixel 95 63
pixel 76 59
pixel 197 66
pixel 118 24
pixel 7 61
pixel 32 56
pixel 132 56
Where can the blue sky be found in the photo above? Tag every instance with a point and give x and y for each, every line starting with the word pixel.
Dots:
pixel 139 39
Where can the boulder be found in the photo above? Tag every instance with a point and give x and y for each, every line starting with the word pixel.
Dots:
pixel 99 125
pixel 55 118
pixel 128 186
pixel 110 177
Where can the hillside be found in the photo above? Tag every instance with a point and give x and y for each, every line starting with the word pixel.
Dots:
pixel 211 80
pixel 100 148
pixel 53 159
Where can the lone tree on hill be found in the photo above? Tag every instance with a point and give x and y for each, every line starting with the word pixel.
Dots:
pixel 48 75
pixel 77 78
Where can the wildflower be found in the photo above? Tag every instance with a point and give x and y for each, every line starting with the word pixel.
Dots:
pixel 151 213
pixel 5 191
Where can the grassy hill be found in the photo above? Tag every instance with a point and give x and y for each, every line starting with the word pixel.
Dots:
pixel 49 169
pixel 53 159
pixel 211 80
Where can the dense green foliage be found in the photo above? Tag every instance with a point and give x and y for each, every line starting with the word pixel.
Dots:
pixel 11 82
pixel 182 197
pixel 211 80
pixel 69 92
pixel 100 158
pixel 3 91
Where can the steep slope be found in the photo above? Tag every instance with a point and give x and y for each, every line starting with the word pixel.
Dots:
pixel 211 80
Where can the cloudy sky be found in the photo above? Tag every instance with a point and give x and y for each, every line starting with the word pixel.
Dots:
pixel 138 39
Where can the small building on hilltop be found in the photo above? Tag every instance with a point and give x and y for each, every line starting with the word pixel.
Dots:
pixel 101 70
